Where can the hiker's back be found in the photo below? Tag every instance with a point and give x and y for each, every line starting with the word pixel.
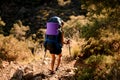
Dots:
pixel 53 35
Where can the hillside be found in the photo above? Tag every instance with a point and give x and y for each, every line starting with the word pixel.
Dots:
pixel 92 26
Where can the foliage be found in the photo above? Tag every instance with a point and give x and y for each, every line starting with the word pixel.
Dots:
pixel 103 14
pixel 91 30
pixel 114 71
pixel 12 49
pixel 89 70
pixel 97 6
pixel 2 24
pixel 22 33
pixel 96 68
pixel 102 38
pixel 73 31
pixel 75 53
pixel 19 31
pixel 106 46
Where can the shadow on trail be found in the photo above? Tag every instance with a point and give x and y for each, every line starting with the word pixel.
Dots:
pixel 68 78
pixel 20 75
pixel 17 75
pixel 31 76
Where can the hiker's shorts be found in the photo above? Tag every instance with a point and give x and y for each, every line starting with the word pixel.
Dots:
pixel 53 47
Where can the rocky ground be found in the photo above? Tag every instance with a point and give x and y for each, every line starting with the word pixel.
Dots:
pixel 38 70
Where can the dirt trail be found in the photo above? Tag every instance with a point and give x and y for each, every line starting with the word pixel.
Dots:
pixel 35 70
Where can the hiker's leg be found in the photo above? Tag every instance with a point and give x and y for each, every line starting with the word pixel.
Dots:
pixel 59 60
pixel 52 62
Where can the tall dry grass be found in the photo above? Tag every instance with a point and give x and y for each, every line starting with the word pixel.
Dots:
pixel 11 49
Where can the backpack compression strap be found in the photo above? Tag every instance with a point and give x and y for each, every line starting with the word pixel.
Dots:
pixel 51 38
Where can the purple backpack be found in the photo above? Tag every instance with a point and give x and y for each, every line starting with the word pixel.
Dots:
pixel 52 28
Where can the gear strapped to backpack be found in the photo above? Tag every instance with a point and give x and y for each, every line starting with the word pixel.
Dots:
pixel 52 36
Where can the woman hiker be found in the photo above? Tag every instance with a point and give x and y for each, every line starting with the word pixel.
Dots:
pixel 54 40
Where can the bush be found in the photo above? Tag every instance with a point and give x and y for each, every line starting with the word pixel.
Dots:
pixel 2 24
pixel 106 46
pixel 19 31
pixel 91 30
pixel 73 31
pixel 96 67
pixel 12 49
pixel 87 70
pixel 114 71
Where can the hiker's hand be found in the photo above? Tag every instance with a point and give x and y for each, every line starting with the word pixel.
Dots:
pixel 68 42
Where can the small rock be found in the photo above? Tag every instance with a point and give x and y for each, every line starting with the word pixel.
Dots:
pixel 28 69
pixel 5 64
pixel 18 75
pixel 38 78
pixel 28 76
pixel 68 70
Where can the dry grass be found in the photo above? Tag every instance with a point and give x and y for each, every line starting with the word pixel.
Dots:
pixel 12 49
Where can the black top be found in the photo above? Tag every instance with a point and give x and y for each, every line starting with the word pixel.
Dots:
pixel 56 37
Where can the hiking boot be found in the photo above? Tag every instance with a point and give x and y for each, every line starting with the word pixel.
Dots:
pixel 51 72
pixel 56 69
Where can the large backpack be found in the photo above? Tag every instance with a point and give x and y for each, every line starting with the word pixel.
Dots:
pixel 53 34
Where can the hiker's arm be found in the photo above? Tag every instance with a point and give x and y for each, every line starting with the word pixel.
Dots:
pixel 63 41
pixel 62 38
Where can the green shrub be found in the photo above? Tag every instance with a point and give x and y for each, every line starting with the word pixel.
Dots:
pixel 88 69
pixel 105 45
pixel 85 74
pixel 114 71
pixel 73 31
pixel 91 30
pixel 95 68
pixel 94 59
